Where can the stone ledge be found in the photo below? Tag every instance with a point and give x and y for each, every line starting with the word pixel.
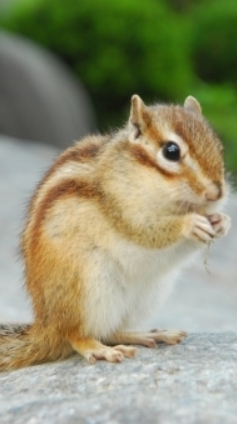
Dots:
pixel 194 382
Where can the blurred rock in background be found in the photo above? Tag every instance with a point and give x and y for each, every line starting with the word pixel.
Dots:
pixel 39 97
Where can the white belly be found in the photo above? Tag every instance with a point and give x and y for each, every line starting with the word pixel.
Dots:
pixel 131 284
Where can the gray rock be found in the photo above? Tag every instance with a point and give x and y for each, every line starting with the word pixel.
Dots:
pixel 194 382
pixel 39 97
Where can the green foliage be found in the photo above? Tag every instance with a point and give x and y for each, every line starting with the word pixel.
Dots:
pixel 160 49
pixel 214 41
pixel 117 48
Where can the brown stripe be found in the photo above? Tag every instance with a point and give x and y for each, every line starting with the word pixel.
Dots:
pixel 78 153
pixel 144 158
pixel 204 145
pixel 81 152
pixel 67 188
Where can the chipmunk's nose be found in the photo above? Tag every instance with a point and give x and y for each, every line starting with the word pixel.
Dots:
pixel 214 192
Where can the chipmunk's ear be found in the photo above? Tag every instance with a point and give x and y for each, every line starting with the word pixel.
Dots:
pixel 192 104
pixel 138 119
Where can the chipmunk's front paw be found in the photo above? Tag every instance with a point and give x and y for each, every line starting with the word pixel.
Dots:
pixel 220 223
pixel 198 227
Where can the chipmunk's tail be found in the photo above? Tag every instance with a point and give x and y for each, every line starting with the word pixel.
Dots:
pixel 25 345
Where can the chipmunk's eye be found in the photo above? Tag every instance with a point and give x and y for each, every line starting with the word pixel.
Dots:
pixel 171 151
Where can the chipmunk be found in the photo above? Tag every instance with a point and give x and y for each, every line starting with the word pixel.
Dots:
pixel 110 226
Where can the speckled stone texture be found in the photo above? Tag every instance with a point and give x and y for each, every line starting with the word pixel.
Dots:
pixel 194 382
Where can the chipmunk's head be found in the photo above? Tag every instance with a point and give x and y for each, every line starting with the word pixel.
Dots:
pixel 176 144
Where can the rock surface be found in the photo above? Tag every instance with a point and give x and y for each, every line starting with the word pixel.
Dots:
pixel 194 382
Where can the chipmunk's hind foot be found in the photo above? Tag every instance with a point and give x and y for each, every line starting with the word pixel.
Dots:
pixel 170 337
pixel 110 354
pixel 92 350
pixel 148 339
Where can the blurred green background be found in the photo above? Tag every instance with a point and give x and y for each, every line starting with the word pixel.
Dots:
pixel 163 50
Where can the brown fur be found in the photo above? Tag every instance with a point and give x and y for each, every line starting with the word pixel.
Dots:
pixel 100 193
pixel 67 188
pixel 144 158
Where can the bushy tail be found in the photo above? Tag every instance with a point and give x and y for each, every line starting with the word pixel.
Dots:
pixel 25 345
